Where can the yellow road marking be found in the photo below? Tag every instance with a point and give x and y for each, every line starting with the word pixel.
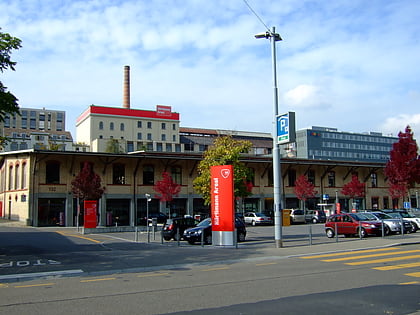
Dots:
pixel 153 275
pixel 373 255
pixel 382 260
pixel 4 285
pixel 406 283
pixel 393 267
pixel 33 285
pixel 266 264
pixel 350 253
pixel 413 274
pixel 101 279
pixel 214 269
pixel 78 236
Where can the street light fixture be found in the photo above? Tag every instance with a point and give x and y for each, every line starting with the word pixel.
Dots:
pixel 274 37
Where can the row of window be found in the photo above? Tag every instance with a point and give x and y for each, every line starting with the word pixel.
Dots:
pixel 341 136
pixel 348 155
pixel 10 121
pixel 139 125
pixel 354 146
pixel 16 178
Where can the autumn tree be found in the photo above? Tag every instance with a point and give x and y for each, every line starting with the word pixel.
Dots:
pixel 304 189
pixel 167 189
pixel 225 150
pixel 8 102
pixel 354 188
pixel 403 168
pixel 87 184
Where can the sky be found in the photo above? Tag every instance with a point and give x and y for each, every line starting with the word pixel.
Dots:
pixel 347 64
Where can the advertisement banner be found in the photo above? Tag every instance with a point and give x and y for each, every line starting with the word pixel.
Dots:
pixel 90 213
pixel 222 198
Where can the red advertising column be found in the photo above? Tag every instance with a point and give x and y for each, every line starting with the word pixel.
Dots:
pixel 222 205
pixel 90 214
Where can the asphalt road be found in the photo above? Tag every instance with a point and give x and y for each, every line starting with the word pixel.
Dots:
pixel 112 274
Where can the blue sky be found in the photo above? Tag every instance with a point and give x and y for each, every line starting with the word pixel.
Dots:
pixel 348 64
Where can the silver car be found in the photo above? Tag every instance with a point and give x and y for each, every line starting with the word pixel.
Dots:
pixel 414 221
pixel 257 218
pixel 391 225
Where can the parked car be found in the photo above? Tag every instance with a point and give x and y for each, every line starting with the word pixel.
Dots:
pixel 174 228
pixel 352 224
pixel 160 217
pixel 297 216
pixel 392 225
pixel 414 221
pixel 194 235
pixel 257 218
pixel 315 216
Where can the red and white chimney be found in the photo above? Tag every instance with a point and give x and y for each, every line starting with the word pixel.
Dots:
pixel 126 88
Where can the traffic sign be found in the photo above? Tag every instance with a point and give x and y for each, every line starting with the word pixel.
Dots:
pixel 286 131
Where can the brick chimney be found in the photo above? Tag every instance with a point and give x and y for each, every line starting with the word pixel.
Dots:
pixel 126 88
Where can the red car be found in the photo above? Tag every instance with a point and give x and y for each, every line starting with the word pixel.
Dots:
pixel 352 224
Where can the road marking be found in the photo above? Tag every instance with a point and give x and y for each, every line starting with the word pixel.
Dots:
pixel 350 253
pixel 394 267
pixel 34 285
pixel 41 274
pixel 373 255
pixel 215 269
pixel 4 285
pixel 266 264
pixel 79 236
pixel 413 274
pixel 95 280
pixel 407 283
pixel 153 274
pixel 382 260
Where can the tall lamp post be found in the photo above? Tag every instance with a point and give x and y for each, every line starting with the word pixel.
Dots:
pixel 148 199
pixel 275 37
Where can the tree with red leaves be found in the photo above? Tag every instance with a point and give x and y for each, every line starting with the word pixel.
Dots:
pixel 304 189
pixel 87 184
pixel 167 188
pixel 403 167
pixel 354 188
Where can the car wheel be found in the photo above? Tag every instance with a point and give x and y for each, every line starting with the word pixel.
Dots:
pixel 413 227
pixel 387 230
pixel 330 233
pixel 191 242
pixel 166 238
pixel 253 223
pixel 361 233
pixel 314 221
pixel 241 237
pixel 207 239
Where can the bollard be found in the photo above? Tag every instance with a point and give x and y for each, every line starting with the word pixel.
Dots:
pixel 402 227
pixel 336 233
pixel 161 236
pixel 136 234
pixel 310 234
pixel 360 229
pixel 178 237
pixel 202 238
pixel 383 229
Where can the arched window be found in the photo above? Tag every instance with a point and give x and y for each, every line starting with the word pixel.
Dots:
pixel 121 127
pixel 10 177
pixel 17 176
pixel 101 125
pixel 23 179
pixel 52 172
pixel 111 126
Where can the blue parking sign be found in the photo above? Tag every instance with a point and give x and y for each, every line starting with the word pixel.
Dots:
pixel 286 132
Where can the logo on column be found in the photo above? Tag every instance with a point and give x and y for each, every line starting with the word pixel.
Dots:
pixel 225 172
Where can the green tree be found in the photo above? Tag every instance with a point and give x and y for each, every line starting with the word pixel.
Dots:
pixel 8 102
pixel 225 150
pixel 113 146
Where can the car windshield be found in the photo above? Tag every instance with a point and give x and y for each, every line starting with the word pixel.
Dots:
pixel 364 216
pixel 382 216
pixel 259 214
pixel 406 215
pixel 205 223
pixel 395 215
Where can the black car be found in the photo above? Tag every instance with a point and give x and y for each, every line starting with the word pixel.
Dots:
pixel 174 228
pixel 194 235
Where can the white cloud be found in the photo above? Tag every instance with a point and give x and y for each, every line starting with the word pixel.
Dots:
pixel 393 125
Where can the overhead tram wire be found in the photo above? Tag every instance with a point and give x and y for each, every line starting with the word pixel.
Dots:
pixel 255 13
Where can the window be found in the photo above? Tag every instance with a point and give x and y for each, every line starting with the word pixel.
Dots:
pixel 111 126
pixel 176 173
pixel 32 123
pixel 331 179
pixel 130 146
pixel 23 178
pixel 60 117
pixel 101 125
pixel 168 147
pixel 59 126
pixel 11 177
pixel 139 124
pixel 17 178
pixel 189 146
pixel 121 127
pixel 311 176
pixel 163 137
pixel 139 136
pixel 292 177
pixel 24 123
pixel 52 172
pixel 148 175
pixel 118 174
pixel 374 179
pixel 163 126
pixel 149 136
pixel 149 125
pixel 173 126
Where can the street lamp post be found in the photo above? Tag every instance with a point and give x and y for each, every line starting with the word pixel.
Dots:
pixel 147 216
pixel 417 199
pixel 274 37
